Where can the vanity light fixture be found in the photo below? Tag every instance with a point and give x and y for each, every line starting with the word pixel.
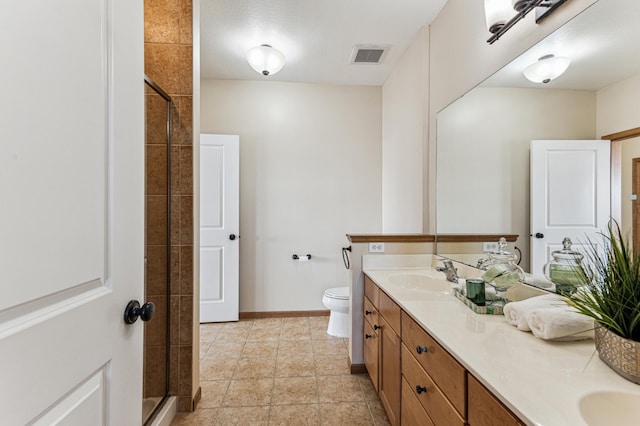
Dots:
pixel 500 16
pixel 547 68
pixel 265 59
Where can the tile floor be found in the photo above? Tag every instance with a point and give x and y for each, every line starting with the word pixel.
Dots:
pixel 279 371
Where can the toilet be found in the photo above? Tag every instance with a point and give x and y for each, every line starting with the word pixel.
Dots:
pixel 337 301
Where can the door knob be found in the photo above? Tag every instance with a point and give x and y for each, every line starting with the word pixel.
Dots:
pixel 539 235
pixel 233 237
pixel 420 389
pixel 134 310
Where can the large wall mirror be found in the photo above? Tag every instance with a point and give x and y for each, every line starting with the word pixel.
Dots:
pixel 483 138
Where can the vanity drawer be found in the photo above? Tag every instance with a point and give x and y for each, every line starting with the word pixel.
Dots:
pixel 371 291
pixel 485 409
pixel 445 371
pixel 412 411
pixel 390 312
pixel 435 403
pixel 370 312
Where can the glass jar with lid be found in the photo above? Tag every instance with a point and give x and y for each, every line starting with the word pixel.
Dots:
pixel 565 269
pixel 501 269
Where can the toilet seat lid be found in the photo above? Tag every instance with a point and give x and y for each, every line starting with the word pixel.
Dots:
pixel 337 292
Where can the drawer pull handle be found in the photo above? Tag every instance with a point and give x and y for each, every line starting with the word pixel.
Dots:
pixel 368 336
pixel 376 327
pixel 367 312
pixel 420 389
pixel 421 349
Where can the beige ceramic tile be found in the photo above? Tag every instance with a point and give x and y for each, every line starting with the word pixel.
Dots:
pixel 295 333
pixel 294 348
pixel 368 390
pixel 295 322
pixel 377 412
pixel 253 416
pixel 202 416
pixel 332 365
pixel 264 349
pixel 295 366
pixel 218 368
pixel 299 414
pixel 267 323
pixel 329 346
pixel 262 334
pixel 213 392
pixel 248 392
pixel 345 388
pixel 255 367
pixel 294 390
pixel 226 349
pixel 345 413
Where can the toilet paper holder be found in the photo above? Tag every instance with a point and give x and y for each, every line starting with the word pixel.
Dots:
pixel 301 258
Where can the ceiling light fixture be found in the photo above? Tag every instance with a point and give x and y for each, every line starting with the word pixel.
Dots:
pixel 265 59
pixel 500 17
pixel 547 68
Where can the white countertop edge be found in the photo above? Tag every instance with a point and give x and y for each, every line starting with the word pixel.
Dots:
pixel 557 374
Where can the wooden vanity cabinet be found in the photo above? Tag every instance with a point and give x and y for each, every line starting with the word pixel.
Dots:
pixel 485 409
pixel 382 347
pixel 418 381
pixel 390 370
pixel 371 346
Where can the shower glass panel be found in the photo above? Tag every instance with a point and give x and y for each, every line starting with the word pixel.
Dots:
pixel 157 247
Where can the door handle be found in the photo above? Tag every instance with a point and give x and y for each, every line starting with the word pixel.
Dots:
pixel 539 235
pixel 134 310
pixel 233 237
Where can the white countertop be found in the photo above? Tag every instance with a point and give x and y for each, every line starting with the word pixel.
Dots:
pixel 541 382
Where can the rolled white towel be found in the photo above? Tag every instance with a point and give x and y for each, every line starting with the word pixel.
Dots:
pixel 517 313
pixel 560 324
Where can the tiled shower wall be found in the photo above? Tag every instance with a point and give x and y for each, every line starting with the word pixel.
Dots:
pixel 168 62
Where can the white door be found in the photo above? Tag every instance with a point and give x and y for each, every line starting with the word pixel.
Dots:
pixel 72 212
pixel 219 227
pixel 570 194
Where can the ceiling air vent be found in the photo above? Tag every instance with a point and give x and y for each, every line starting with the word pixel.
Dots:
pixel 368 54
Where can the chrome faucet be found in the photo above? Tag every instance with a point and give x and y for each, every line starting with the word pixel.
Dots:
pixel 448 270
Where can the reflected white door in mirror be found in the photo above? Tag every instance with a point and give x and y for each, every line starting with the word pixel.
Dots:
pixel 570 194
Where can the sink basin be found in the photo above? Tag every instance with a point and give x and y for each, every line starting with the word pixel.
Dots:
pixel 610 408
pixel 421 282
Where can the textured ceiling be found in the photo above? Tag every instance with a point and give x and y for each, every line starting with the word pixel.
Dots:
pixel 603 43
pixel 316 36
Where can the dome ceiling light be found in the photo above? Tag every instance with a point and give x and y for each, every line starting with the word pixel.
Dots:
pixel 265 59
pixel 547 68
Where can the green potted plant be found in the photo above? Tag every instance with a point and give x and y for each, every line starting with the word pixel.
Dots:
pixel 610 294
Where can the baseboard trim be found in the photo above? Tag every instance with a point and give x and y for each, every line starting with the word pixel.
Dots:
pixel 358 368
pixel 197 397
pixel 284 314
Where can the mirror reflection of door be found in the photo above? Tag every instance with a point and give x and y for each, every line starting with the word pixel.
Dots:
pixel 625 182
pixel 635 206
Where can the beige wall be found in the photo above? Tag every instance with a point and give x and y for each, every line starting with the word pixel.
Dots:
pixel 619 106
pixel 483 170
pixel 310 172
pixel 404 134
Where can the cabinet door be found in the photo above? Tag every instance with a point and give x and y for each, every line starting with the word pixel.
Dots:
pixel 485 409
pixel 371 349
pixel 390 371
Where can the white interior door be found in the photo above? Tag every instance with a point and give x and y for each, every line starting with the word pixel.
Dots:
pixel 71 216
pixel 570 194
pixel 219 227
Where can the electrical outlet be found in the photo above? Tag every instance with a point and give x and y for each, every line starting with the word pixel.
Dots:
pixel 376 247
pixel 490 247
